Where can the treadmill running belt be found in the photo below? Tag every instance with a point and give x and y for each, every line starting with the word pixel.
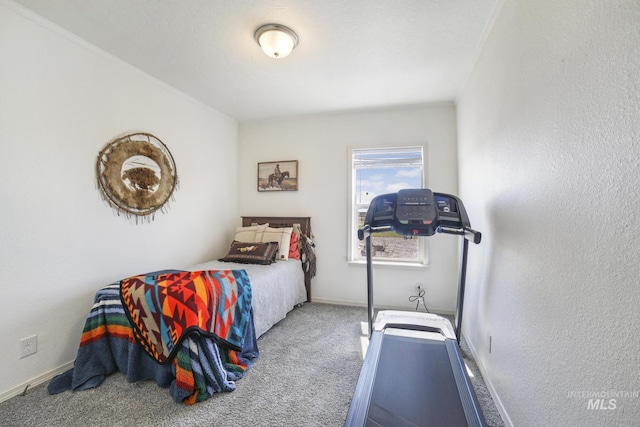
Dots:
pixel 413 385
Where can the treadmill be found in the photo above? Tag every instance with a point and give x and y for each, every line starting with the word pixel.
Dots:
pixel 413 373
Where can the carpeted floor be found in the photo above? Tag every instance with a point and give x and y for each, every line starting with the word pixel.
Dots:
pixel 306 374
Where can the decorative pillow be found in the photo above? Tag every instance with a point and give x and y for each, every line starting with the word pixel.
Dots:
pixel 245 234
pixel 249 234
pixel 281 236
pixel 252 253
pixel 294 249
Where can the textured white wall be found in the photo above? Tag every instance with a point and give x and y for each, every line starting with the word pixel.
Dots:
pixel 548 127
pixel 320 143
pixel 61 101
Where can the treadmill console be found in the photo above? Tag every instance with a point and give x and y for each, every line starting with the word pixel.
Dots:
pixel 416 205
pixel 417 212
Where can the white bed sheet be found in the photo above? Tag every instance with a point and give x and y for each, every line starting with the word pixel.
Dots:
pixel 275 289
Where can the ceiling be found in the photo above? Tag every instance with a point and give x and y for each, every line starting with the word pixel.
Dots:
pixel 352 54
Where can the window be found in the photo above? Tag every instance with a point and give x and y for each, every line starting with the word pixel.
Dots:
pixel 376 171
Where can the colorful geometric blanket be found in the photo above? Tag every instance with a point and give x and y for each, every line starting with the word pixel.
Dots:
pixel 200 369
pixel 164 308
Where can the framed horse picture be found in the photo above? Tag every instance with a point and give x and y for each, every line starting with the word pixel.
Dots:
pixel 278 176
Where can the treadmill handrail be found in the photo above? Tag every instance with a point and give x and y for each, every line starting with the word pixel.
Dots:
pixel 367 230
pixel 467 232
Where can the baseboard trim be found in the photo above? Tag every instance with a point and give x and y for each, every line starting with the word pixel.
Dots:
pixel 378 307
pixel 489 384
pixel 41 379
pixel 337 302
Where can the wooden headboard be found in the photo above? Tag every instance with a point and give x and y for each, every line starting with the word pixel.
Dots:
pixel 285 221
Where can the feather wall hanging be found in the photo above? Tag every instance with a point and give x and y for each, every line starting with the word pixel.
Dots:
pixel 137 176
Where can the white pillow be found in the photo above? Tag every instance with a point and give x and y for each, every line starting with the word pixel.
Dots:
pixel 249 234
pixel 280 235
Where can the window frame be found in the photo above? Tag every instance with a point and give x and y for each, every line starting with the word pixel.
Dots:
pixel 353 255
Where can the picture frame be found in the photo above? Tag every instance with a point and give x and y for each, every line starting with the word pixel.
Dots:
pixel 278 176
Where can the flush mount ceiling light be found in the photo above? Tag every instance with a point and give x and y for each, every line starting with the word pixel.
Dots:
pixel 276 40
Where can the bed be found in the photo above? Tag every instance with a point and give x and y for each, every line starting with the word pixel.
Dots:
pixel 120 333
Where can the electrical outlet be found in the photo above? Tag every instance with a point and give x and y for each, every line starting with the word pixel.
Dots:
pixel 28 346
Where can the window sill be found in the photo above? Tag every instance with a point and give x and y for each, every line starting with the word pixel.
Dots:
pixel 392 264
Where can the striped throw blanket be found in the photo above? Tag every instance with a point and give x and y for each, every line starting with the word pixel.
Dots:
pixel 201 367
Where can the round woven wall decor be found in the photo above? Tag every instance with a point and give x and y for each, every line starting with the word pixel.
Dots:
pixel 137 175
